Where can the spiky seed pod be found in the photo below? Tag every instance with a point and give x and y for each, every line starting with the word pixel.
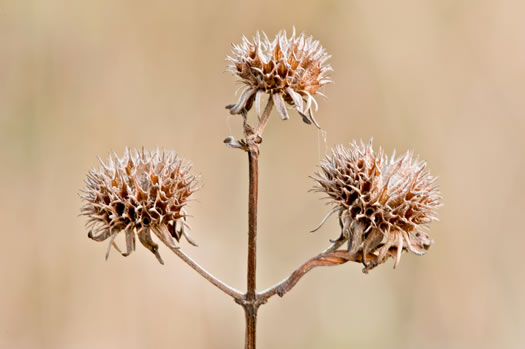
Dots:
pixel 290 70
pixel 383 204
pixel 140 193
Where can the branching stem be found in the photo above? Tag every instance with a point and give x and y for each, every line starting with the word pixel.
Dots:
pixel 251 300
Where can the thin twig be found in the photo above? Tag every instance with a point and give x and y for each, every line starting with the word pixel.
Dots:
pixel 230 291
pixel 265 117
pixel 324 259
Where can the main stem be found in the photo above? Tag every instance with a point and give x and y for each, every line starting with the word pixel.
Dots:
pixel 250 301
pixel 250 306
pixel 252 224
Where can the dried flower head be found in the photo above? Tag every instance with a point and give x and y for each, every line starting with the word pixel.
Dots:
pixel 290 70
pixel 383 204
pixel 140 193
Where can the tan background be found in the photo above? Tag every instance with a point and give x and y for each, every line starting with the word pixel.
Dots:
pixel 81 78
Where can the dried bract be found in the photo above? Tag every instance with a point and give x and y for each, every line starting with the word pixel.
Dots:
pixel 140 193
pixel 290 70
pixel 383 204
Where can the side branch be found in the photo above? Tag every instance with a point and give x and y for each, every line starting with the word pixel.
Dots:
pixel 324 259
pixel 230 291
pixel 265 117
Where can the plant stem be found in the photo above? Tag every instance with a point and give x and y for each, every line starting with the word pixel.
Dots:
pixel 250 315
pixel 230 291
pixel 250 306
pixel 265 117
pixel 250 302
pixel 322 260
pixel 329 257
pixel 252 223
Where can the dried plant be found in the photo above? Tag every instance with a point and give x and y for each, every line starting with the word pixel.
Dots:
pixel 383 204
pixel 290 70
pixel 138 194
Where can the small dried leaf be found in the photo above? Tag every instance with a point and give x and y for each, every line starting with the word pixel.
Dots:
pixel 280 106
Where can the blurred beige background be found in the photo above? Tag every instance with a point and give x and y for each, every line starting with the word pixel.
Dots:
pixel 81 78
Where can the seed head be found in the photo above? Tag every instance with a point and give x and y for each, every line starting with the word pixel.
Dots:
pixel 383 204
pixel 290 70
pixel 140 193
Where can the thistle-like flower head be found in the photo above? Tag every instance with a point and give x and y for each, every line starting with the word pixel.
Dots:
pixel 291 70
pixel 383 204
pixel 140 193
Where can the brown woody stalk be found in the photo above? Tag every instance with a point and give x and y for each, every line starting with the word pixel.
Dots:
pixel 250 302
